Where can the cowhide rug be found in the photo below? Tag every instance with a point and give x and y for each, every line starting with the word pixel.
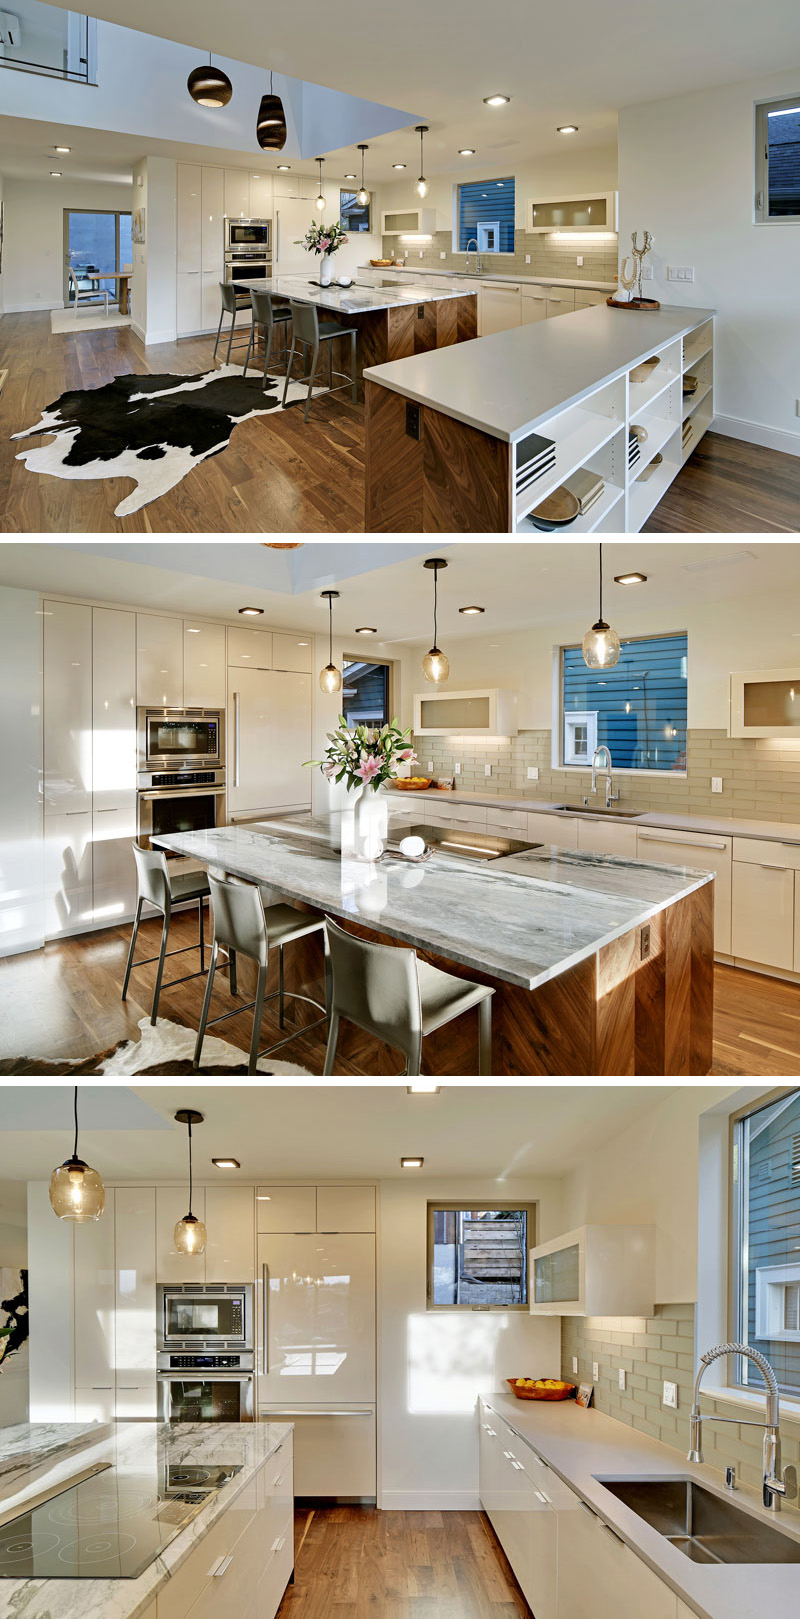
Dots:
pixel 152 429
pixel 166 1049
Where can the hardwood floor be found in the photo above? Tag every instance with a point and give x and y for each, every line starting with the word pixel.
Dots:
pixel 63 1002
pixel 355 1561
pixel 279 476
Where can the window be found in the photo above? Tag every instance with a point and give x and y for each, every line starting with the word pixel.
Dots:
pixel 778 160
pixel 352 216
pixel 637 709
pixel 95 241
pixel 486 216
pixel 365 693
pixel 766 1181
pixel 478 1257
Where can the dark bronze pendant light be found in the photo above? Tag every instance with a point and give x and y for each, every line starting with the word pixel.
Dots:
pixel 209 86
pixel 190 1235
pixel 435 664
pixel 271 122
pixel 421 186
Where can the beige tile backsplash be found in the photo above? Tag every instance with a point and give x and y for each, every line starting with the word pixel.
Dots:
pixel 650 1351
pixel 760 779
pixel 547 257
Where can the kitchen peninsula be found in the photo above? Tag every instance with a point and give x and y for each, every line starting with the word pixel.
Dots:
pixel 599 965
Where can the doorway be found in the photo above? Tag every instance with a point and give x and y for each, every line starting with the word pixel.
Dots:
pixel 95 240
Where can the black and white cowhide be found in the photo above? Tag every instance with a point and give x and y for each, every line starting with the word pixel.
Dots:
pixel 166 1048
pixel 153 429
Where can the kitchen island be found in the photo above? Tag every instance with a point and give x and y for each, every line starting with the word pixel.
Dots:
pixel 135 1505
pixel 581 383
pixel 599 965
pixel 393 323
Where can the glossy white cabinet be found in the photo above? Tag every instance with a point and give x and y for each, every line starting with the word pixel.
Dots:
pixel 159 661
pixel 95 1299
pixel 559 829
pixel 763 923
pixel 113 867
pixel 135 1285
pixel 595 1270
pixel 560 301
pixel 261 196
pixel 189 302
pixel 293 652
pixel 501 306
pixel 172 1203
pixel 705 853
pixel 210 300
pixel 249 649
pixel 514 823
pixel 534 305
pixel 796 922
pixel 316 1325
pixel 113 763
pixel 67 695
pixel 334 1454
pixel 599 1575
pixel 596 836
pixel 203 664
pixel 269 739
pixel 286 1208
pixel 69 902
pixel 237 194
pixel 345 1208
pixel 295 185
pixel 212 234
pixel 588 297
pixel 189 216
pixel 231 1246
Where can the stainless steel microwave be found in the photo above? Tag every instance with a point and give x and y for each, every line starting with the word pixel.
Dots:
pixel 180 738
pixel 205 1317
pixel 247 233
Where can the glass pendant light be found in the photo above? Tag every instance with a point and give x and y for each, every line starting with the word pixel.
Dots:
pixel 320 201
pixel 362 196
pixel 209 86
pixel 190 1234
pixel 271 122
pixel 421 186
pixel 76 1191
pixel 435 664
pixel 330 679
pixel 600 643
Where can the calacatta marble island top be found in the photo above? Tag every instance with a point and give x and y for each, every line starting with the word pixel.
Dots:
pixel 524 919
pixel 358 299
pixel 40 1459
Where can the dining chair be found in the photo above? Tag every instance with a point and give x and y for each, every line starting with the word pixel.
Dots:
pixel 86 295
pixel 157 886
pixel 245 926
pixel 308 330
pixel 269 315
pixel 232 302
pixel 389 993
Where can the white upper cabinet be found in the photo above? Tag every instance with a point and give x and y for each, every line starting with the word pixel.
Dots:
pixel 237 194
pixel 286 1208
pixel 135 1358
pixel 231 1245
pixel 483 712
pixel 113 706
pixel 189 215
pixel 172 1203
pixel 261 196
pixel 409 222
pixel 595 1270
pixel 583 211
pixel 345 1208
pixel 203 664
pixel 766 703
pixel 212 232
pixel 159 661
pixel 67 708
pixel 249 649
pixel 304 186
pixel 95 1301
pixel 293 652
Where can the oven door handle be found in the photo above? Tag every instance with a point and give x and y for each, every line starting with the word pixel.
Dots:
pixel 203 1374
pixel 181 792
pixel 236 739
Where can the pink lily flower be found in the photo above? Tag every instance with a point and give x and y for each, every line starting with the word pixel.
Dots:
pixel 369 768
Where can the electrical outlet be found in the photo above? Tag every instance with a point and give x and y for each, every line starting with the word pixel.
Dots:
pixel 575 1365
pixel 533 772
pixel 670 1397
pixel 622 1377
pixel 456 770
pixel 645 943
pixel 527 258
pixel 487 770
pixel 443 255
pixel 716 784
pixel 430 765
pixel 595 1371
pixel 579 261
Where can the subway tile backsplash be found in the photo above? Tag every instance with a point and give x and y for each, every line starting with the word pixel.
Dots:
pixel 760 779
pixel 547 257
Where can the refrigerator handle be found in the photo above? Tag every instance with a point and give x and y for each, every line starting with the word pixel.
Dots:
pixel 265 1345
pixel 236 739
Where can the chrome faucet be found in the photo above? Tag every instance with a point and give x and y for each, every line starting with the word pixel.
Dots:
pixel 604 770
pixel 478 265
pixel 774 1484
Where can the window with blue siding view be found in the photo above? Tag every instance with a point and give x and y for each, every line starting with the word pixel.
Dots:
pixel 365 693
pixel 486 216
pixel 637 709
pixel 766 1177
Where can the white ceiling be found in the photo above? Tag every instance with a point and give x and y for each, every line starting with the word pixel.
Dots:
pixel 382 582
pixel 496 1132
pixel 26 152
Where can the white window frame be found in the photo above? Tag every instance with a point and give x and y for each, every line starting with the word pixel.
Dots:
pixel 772 1282
pixel 472 1206
pixel 738 1258
pixel 572 720
pixel 762 110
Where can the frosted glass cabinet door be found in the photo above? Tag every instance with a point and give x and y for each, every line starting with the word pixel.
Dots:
pixel 316 1319
pixel 67 707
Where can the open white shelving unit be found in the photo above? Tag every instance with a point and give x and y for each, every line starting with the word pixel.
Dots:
pixel 593 436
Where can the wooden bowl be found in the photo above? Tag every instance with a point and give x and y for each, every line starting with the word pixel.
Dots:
pixel 413 784
pixel 542 1388
pixel 640 373
pixel 381 264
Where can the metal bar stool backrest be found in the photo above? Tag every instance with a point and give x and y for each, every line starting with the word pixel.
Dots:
pixel 305 322
pixel 376 986
pixel 263 309
pixel 152 877
pixel 239 921
pixel 229 298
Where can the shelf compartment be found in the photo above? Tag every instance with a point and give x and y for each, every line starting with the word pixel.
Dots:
pixel 701 416
pixel 690 405
pixel 608 462
pixel 578 434
pixel 659 434
pixel 697 344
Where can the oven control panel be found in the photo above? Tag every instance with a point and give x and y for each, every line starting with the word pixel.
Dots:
pixel 217 1363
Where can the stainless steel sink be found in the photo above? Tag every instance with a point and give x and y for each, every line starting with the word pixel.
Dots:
pixel 599 809
pixel 705 1527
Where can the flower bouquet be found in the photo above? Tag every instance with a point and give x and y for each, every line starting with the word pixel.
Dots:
pixel 324 240
pixel 362 758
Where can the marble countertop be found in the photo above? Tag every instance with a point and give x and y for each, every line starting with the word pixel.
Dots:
pixel 52 1453
pixel 579 1445
pixel 510 383
pixel 728 826
pixel 524 919
pixel 489 276
pixel 359 299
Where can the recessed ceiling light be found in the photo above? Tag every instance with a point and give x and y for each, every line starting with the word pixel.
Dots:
pixel 55 174
pixel 423 1087
pixel 496 101
pixel 398 165
pixel 263 1197
pixel 226 1163
pixel 252 612
pixel 630 578
pixel 303 643
pixel 190 631
pixel 567 129
pixel 62 148
pixel 366 629
pixel 470 610
pixel 351 177
pixel 411 1163
pixel 283 168
pixel 466 151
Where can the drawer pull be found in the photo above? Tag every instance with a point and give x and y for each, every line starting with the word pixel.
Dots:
pixel 220 1568
pixel 278 1545
pixel 587 1510
pixel 607 1529
pixel 683 843
pixel 764 865
pixel 540 1496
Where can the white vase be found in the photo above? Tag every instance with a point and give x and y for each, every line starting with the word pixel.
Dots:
pixel 370 824
pixel 325 270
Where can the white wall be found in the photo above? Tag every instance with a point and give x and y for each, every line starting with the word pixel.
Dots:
pixel 21 857
pixel 434 1366
pixel 33 250
pixel 686 169
pixel 569 172
pixel 153 307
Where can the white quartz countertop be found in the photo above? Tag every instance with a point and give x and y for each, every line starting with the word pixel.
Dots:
pixel 488 276
pixel 525 918
pixel 581 1444
pixel 37 1457
pixel 359 299
pixel 728 826
pixel 510 383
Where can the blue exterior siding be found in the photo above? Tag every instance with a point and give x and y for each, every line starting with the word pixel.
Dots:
pixel 486 201
pixel 640 704
pixel 773 1194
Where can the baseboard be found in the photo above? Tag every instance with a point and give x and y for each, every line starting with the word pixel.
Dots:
pixel 430 1501
pixel 138 331
pixel 771 438
pixel 169 335
pixel 38 308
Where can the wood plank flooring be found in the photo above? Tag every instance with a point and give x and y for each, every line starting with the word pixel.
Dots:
pixel 355 1561
pixel 279 476
pixel 63 1002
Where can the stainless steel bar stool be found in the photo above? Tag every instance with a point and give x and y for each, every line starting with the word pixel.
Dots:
pixel 390 993
pixel 156 884
pixel 308 330
pixel 244 924
pixel 269 315
pixel 232 302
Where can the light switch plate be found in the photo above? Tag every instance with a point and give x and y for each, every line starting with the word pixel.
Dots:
pixel 671 1395
pixel 575 1365
pixel 456 770
pixel 579 261
pixel 443 255
pixel 680 272
pixel 622 1377
pixel 429 765
pixel 487 770
pixel 527 258
pixel 595 1371
pixel 533 772
pixel 716 784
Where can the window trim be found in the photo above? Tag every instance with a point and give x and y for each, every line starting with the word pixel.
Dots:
pixel 559 715
pixel 737 1266
pixel 761 110
pixel 467 1205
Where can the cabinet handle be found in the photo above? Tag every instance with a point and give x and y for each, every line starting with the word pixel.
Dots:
pixel 683 843
pixel 764 866
pixel 607 1529
pixel 236 741
pixel 278 1545
pixel 542 1497
pixel 318 1411
pixel 219 1569
pixel 99 812
pixel 265 1346
pixel 587 1510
